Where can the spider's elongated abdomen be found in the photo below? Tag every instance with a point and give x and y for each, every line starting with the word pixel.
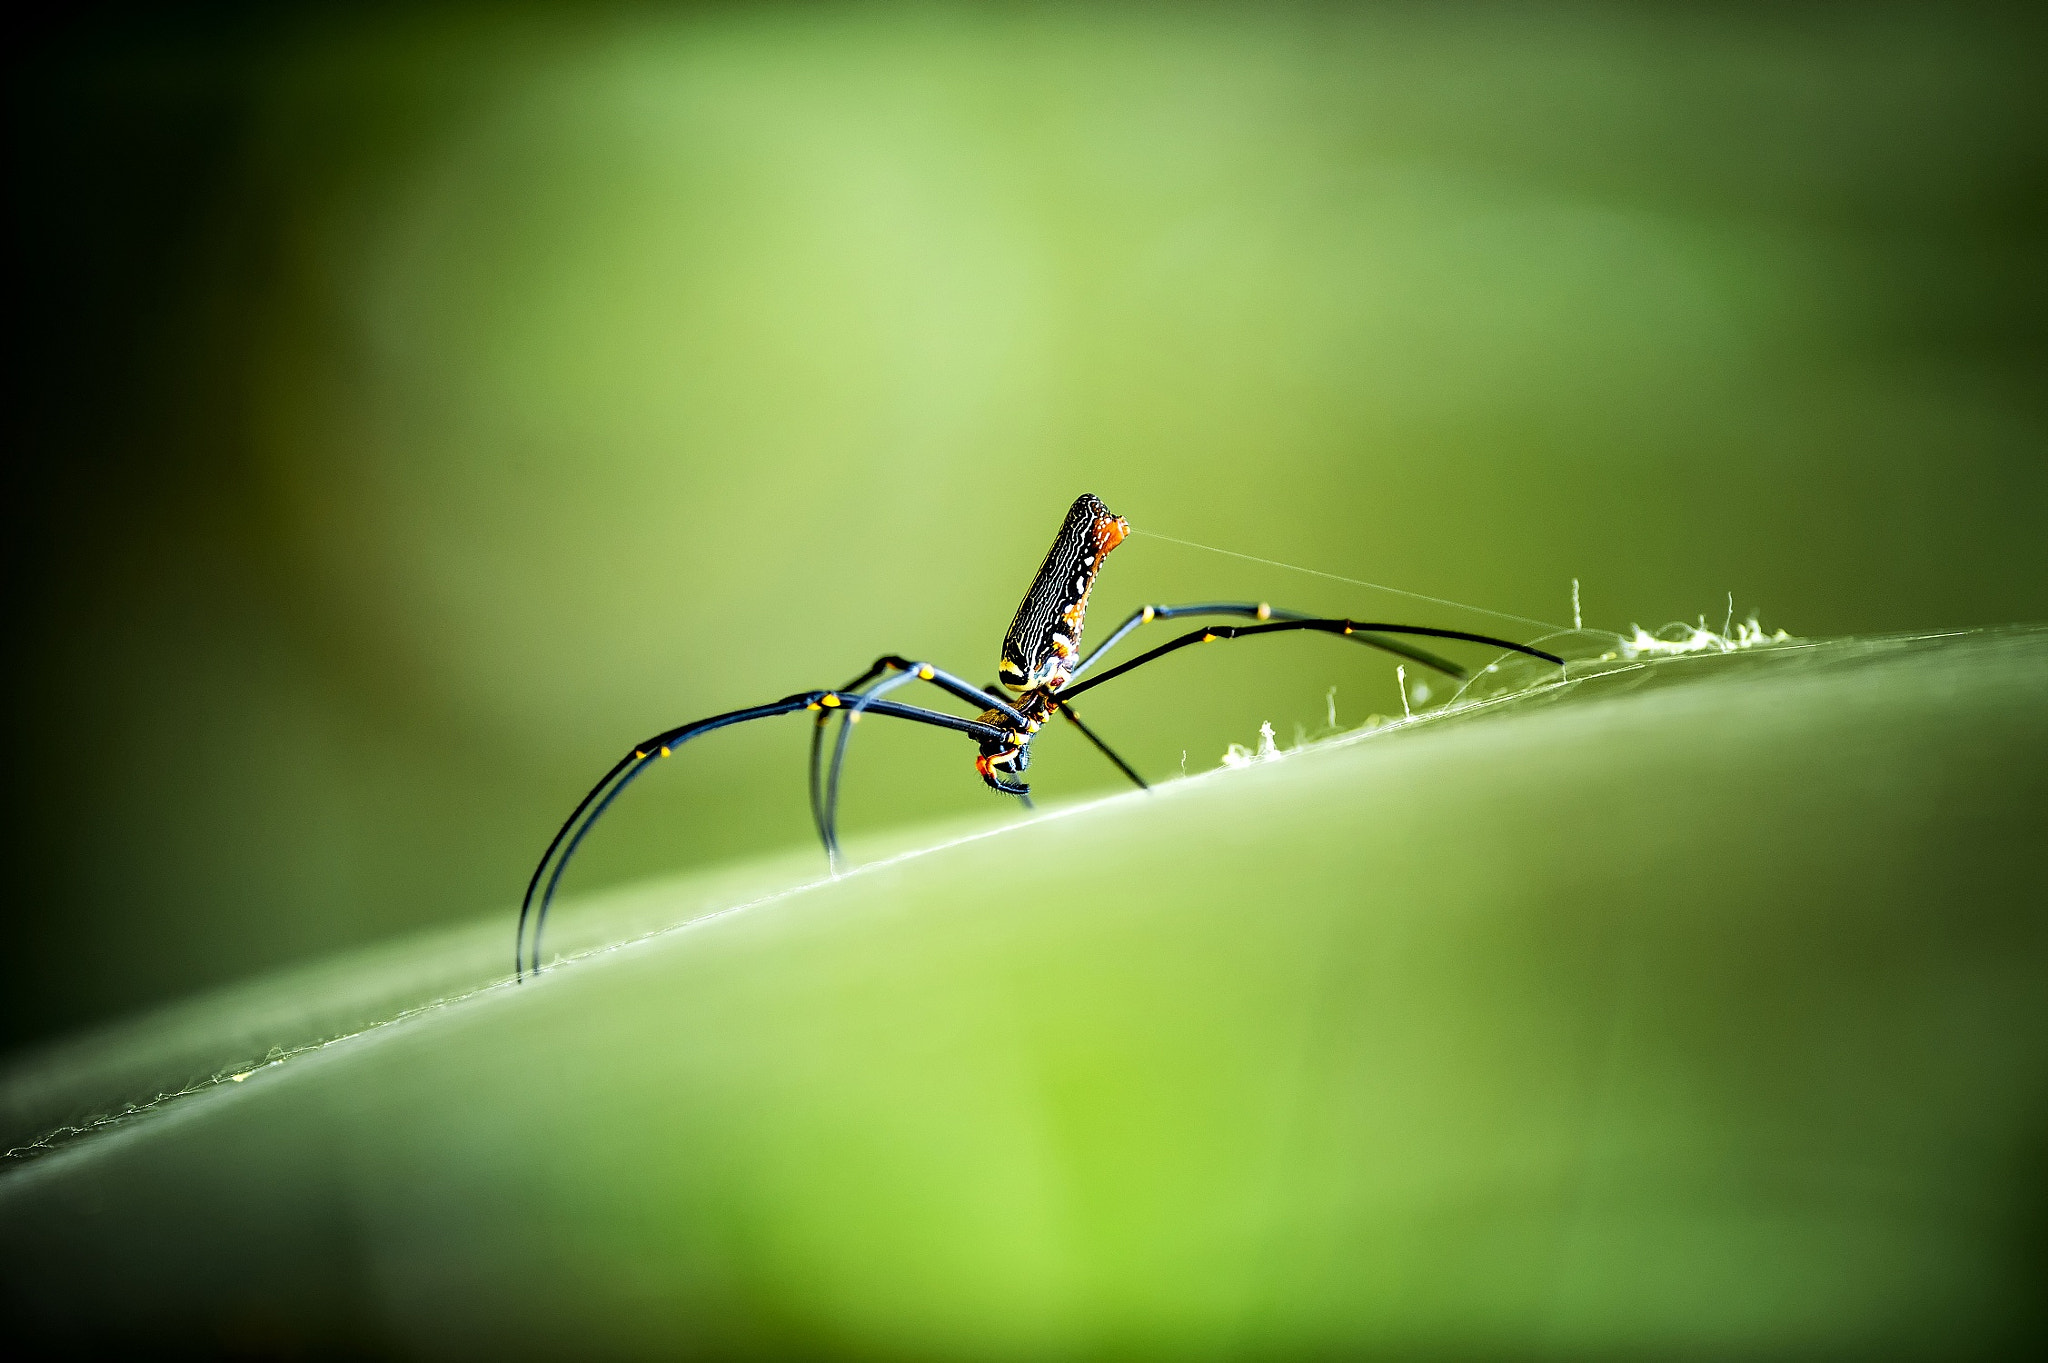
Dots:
pixel 1045 637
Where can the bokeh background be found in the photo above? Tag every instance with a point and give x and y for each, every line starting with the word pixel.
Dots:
pixel 419 405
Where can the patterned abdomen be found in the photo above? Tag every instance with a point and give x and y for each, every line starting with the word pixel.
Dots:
pixel 1045 637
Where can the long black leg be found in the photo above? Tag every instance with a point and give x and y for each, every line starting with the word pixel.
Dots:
pixel 852 717
pixel 909 672
pixel 821 807
pixel 1337 627
pixel 1104 748
pixel 846 723
pixel 817 746
pixel 526 901
pixel 817 796
pixel 1258 611
pixel 628 768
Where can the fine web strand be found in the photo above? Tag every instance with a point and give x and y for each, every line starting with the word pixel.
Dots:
pixel 1353 581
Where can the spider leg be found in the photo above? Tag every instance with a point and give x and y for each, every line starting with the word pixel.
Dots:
pixel 1336 627
pixel 828 827
pixel 821 809
pixel 1104 748
pixel 628 769
pixel 1259 611
pixel 817 746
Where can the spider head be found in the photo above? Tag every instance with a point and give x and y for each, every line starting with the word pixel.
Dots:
pixel 1001 761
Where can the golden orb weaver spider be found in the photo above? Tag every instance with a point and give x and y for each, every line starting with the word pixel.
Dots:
pixel 1041 665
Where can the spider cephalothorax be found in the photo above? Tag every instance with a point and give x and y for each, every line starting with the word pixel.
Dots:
pixel 1041 666
pixel 1006 752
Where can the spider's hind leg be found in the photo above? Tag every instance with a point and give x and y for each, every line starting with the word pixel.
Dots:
pixel 1349 629
pixel 1261 611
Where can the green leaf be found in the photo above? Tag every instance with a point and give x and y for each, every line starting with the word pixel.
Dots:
pixel 1694 1005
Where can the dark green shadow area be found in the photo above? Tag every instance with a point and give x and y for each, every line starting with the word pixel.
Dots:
pixel 1694 1009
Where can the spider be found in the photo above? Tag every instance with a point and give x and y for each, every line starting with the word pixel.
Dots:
pixel 1040 667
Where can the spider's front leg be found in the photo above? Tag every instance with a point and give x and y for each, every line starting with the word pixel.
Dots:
pixel 895 670
pixel 562 847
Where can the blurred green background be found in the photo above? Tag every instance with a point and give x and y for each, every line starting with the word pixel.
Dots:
pixel 422 405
